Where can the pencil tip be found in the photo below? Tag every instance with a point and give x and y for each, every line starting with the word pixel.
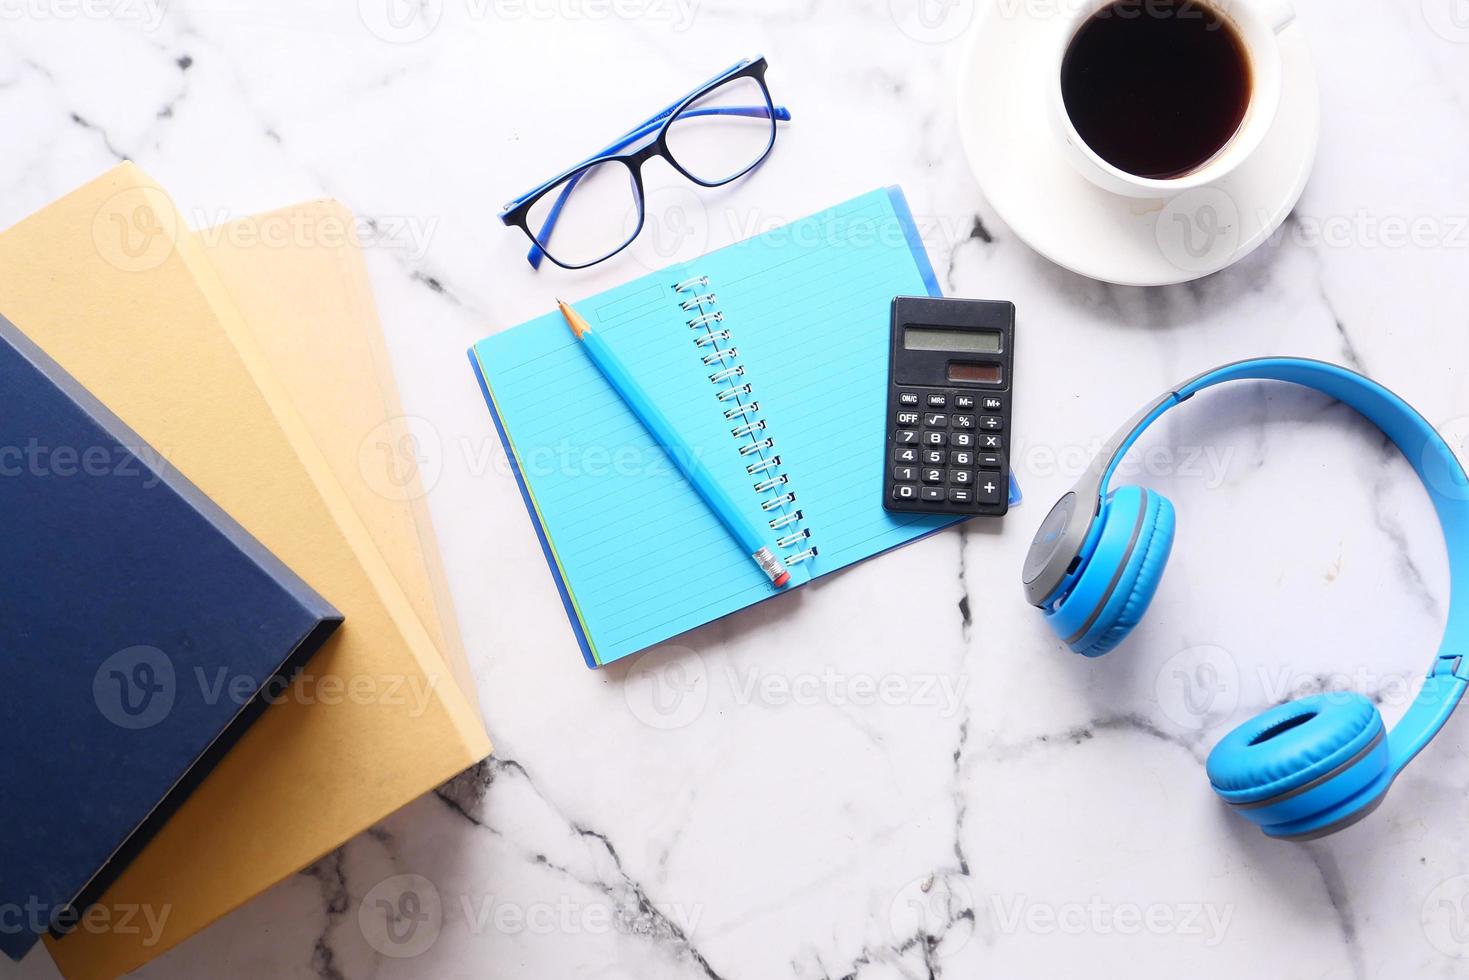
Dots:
pixel 574 320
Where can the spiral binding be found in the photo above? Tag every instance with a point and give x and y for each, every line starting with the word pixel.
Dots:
pixel 713 341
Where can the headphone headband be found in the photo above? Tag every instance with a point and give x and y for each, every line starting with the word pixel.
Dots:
pixel 1064 534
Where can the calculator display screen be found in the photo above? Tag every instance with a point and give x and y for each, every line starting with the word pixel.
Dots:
pixel 966 341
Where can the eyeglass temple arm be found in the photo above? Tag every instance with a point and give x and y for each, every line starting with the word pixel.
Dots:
pixel 535 254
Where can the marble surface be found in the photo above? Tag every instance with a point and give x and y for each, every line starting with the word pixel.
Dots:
pixel 899 772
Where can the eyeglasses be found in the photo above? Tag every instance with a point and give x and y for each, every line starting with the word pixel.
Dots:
pixel 714 135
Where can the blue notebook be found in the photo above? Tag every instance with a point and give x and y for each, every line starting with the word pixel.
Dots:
pixel 138 623
pixel 772 355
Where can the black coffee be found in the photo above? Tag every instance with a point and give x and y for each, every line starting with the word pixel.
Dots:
pixel 1156 87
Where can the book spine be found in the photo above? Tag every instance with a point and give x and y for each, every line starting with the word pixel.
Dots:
pixel 736 397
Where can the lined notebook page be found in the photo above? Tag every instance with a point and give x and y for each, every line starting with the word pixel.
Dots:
pixel 641 556
pixel 809 308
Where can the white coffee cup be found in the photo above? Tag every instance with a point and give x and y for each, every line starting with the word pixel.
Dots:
pixel 1257 22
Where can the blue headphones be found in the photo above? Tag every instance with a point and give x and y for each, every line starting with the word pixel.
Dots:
pixel 1306 768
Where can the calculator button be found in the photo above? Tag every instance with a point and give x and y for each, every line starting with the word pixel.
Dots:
pixel 961 495
pixel 938 401
pixel 965 440
pixel 994 403
pixel 961 478
pixel 907 437
pixel 907 418
pixel 935 438
pixel 933 476
pixel 933 457
pixel 908 398
pixel 963 401
pixel 990 461
pixel 905 474
pixel 991 443
pixel 931 494
pixel 961 457
pixel 905 455
pixel 935 421
pixel 989 491
pixel 992 422
pixel 963 421
pixel 904 491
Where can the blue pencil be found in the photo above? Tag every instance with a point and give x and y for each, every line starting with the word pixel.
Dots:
pixel 667 436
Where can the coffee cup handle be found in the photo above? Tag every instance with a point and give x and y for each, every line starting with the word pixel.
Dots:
pixel 1279 14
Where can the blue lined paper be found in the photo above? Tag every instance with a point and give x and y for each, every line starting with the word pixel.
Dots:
pixel 639 557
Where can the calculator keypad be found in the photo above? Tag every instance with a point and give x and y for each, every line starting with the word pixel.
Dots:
pixel 948 452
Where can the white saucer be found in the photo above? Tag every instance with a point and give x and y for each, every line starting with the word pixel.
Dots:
pixel 1007 134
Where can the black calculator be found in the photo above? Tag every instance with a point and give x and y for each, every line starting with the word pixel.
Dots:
pixel 948 422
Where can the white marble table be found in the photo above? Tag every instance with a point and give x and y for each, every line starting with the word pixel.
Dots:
pixel 743 805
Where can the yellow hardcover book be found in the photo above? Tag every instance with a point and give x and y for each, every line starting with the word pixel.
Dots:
pixel 109 283
pixel 298 278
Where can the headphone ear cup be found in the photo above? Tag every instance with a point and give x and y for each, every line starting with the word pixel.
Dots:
pixel 1305 768
pixel 1121 576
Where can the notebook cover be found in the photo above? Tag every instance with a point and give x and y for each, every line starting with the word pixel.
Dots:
pixel 307 300
pixel 108 284
pixel 125 595
pixel 863 251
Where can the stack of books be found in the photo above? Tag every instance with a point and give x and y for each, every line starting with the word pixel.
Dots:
pixel 228 643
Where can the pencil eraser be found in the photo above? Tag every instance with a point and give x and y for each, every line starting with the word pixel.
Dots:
pixel 783 580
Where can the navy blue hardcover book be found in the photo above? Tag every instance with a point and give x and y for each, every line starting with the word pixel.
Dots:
pixel 141 631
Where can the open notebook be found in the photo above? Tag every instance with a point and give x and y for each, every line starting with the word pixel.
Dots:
pixel 772 355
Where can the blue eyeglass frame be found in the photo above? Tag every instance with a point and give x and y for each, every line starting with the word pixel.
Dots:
pixel 517 213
